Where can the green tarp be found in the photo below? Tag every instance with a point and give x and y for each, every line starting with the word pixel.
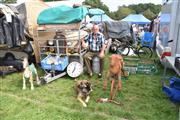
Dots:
pixel 62 15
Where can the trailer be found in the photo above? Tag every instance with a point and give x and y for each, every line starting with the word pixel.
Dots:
pixel 168 39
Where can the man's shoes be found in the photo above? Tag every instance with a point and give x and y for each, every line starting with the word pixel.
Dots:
pixel 99 75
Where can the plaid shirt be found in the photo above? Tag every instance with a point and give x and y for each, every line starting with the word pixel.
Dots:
pixel 95 42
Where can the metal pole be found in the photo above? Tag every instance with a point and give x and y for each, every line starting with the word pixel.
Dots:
pixel 179 112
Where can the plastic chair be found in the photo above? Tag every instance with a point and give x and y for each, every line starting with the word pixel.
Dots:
pixel 173 90
pixel 147 39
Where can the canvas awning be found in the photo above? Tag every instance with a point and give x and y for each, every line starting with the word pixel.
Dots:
pixel 136 19
pixel 99 18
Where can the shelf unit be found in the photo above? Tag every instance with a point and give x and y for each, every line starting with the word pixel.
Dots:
pixel 66 41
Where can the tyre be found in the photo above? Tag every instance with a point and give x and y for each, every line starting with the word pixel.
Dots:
pixel 145 52
pixel 9 56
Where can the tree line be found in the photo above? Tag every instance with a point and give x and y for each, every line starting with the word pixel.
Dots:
pixel 149 10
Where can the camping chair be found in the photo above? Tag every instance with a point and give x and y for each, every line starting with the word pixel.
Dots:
pixel 173 90
pixel 147 39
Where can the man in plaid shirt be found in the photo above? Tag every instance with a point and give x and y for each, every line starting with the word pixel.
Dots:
pixel 96 43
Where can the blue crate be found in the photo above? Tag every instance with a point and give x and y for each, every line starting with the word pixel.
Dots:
pixel 147 39
pixel 59 64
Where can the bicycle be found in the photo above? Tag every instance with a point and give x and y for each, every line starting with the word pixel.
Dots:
pixel 143 51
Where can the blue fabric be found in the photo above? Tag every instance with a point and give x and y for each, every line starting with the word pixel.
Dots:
pixel 100 18
pixel 62 15
pixel 136 19
pixel 175 82
pixel 147 39
pixel 33 69
pixel 165 18
pixel 173 90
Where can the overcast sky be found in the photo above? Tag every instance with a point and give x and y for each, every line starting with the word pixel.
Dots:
pixel 113 4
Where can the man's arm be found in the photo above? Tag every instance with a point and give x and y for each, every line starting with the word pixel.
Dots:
pixel 101 54
pixel 103 48
pixel 85 42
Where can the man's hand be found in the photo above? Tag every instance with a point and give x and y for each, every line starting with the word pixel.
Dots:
pixel 101 54
pixel 84 45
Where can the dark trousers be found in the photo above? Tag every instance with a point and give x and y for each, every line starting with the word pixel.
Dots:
pixel 88 60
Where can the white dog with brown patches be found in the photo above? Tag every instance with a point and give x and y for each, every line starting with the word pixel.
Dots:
pixel 29 72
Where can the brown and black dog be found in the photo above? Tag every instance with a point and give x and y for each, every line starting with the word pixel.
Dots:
pixel 115 72
pixel 83 89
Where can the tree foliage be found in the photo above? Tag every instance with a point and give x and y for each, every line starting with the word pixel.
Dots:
pixel 8 1
pixel 149 14
pixel 97 4
pixel 148 10
pixel 122 12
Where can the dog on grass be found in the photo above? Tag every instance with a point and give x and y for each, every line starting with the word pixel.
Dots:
pixel 83 89
pixel 29 73
pixel 115 72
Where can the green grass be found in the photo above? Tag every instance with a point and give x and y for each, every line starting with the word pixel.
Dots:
pixel 141 96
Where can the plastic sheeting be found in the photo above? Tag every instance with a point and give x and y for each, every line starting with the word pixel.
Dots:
pixel 62 15
pixel 116 29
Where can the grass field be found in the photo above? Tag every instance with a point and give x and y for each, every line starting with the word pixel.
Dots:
pixel 141 96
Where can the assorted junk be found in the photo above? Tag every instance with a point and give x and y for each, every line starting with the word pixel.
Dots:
pixel 11 27
pixel 58 39
pixel 118 31
pixel 12 40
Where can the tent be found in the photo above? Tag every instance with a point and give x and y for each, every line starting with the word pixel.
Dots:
pixel 98 15
pixel 99 18
pixel 136 19
pixel 96 11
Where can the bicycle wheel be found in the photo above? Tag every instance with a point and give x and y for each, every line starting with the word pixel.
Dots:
pixel 145 52
pixel 123 50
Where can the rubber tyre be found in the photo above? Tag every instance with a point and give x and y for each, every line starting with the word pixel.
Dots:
pixel 9 56
pixel 145 52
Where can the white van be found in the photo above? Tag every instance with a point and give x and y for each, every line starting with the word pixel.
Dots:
pixel 168 40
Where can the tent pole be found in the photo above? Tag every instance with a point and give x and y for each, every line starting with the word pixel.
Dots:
pixel 179 112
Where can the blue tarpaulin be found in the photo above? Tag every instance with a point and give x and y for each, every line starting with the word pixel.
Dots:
pixel 136 19
pixel 62 15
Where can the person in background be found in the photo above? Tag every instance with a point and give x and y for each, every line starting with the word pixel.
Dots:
pixel 141 33
pixel 95 42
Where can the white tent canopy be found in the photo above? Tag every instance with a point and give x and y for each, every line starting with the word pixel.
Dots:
pixel 136 19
